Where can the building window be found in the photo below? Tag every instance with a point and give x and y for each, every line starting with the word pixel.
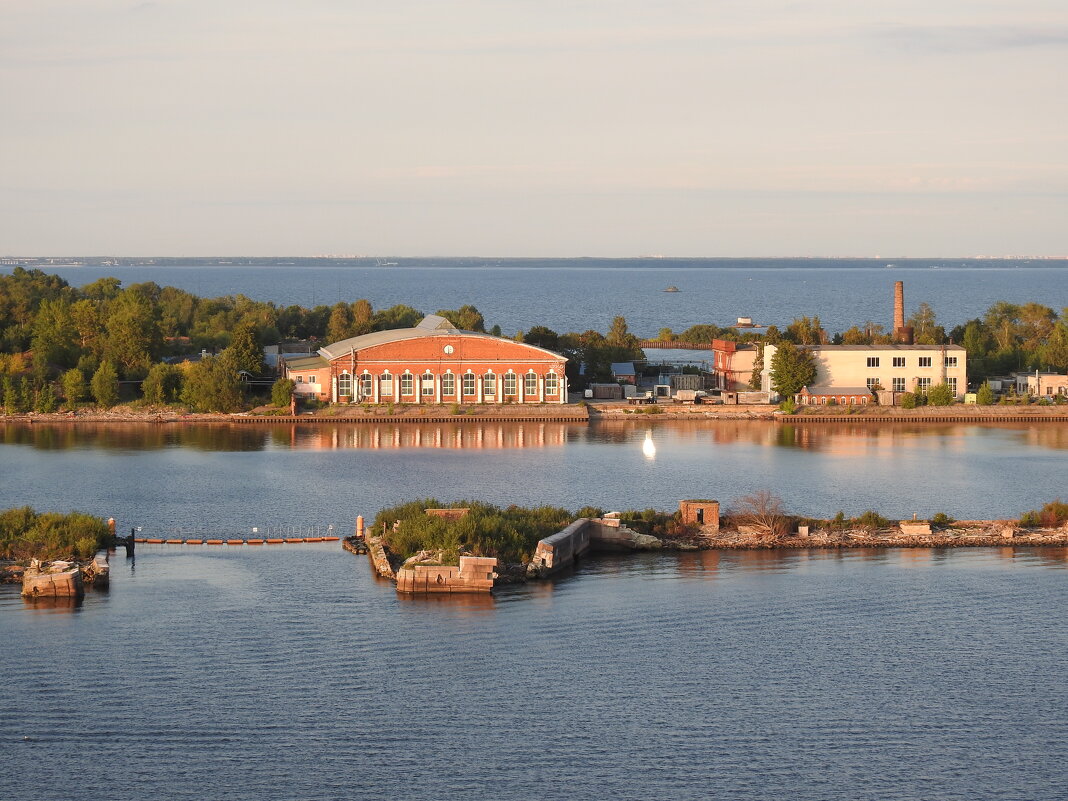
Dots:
pixel 899 383
pixel 899 361
pixel 873 383
pixel 951 361
pixel 366 385
pixel 530 385
pixel 923 384
pixel 407 387
pixel 300 379
pixel 385 385
pixel 428 384
pixel 489 385
pixel 469 383
pixel 951 382
pixel 873 361
pixel 551 384
pixel 925 361
pixel 344 385
pixel 448 384
pixel 509 384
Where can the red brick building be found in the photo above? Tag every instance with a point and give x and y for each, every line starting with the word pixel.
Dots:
pixel 431 363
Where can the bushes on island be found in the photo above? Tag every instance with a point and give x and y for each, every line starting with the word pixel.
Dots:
pixel 1053 514
pixel 26 534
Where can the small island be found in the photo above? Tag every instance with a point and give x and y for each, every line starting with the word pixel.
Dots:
pixel 429 547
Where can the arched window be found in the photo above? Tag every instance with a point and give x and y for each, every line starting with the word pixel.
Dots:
pixel 344 385
pixel 510 384
pixel 407 382
pixel 448 384
pixel 469 383
pixel 489 385
pixel 428 383
pixel 366 385
pixel 530 385
pixel 551 384
pixel 385 386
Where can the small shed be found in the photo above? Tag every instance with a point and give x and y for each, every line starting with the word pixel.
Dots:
pixel 624 373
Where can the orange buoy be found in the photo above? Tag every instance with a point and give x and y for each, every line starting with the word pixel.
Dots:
pixel 194 542
pixel 154 542
pixel 331 539
pixel 174 542
pixel 213 542
pixel 313 539
pixel 235 542
pixel 254 542
pixel 275 541
pixel 294 539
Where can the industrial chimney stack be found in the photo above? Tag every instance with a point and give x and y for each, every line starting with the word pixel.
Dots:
pixel 901 333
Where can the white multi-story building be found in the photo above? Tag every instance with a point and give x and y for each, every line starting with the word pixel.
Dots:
pixel 897 368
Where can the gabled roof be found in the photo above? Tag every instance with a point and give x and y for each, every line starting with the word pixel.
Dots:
pixel 431 325
pixel 623 368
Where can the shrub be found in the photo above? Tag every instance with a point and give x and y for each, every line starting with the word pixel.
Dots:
pixel 763 511
pixel 282 392
pixel 1053 514
pixel 984 396
pixel 788 406
pixel 940 395
pixel 908 400
pixel 105 386
pixel 942 519
pixel 25 535
pixel 455 409
pixel 870 520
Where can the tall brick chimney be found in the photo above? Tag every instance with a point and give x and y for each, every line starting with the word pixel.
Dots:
pixel 899 306
pixel 901 333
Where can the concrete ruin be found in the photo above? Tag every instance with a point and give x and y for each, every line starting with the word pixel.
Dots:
pixel 561 549
pixel 473 574
pixel 700 513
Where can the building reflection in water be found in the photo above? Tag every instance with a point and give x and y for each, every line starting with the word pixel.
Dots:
pixel 481 436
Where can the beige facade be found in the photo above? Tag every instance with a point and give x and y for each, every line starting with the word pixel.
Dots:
pixel 1042 385
pixel 898 368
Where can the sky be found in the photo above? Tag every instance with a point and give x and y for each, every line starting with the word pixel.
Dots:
pixel 534 127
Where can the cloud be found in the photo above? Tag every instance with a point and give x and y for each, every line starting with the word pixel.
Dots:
pixel 969 38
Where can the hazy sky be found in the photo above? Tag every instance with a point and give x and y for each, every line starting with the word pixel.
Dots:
pixel 534 127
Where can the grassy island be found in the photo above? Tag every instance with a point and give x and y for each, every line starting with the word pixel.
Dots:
pixel 26 534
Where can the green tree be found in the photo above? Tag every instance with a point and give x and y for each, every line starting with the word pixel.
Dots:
pixel 791 369
pixel 282 392
pixel 212 385
pixel 245 350
pixel 12 401
pixel 466 318
pixel 74 387
pixel 55 338
pixel 985 395
pixel 105 385
pixel 805 331
pixel 46 401
pixel 1056 350
pixel 399 316
pixel 908 400
pixel 162 385
pixel 542 337
pixel 340 324
pixel 925 328
pixel 134 340
pixel 940 395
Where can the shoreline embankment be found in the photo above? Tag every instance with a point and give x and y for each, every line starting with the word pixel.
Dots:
pixel 570 413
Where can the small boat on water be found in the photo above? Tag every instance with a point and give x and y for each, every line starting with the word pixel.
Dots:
pixel 672 289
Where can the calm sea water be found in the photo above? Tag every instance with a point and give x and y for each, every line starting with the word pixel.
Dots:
pixel 231 477
pixel 580 294
pixel 293 674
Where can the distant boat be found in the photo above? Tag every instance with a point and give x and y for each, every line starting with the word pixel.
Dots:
pixel 672 289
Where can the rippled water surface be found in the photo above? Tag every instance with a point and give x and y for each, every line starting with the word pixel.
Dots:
pixel 292 673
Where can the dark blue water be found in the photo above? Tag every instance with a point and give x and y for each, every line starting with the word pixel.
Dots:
pixel 583 294
pixel 291 673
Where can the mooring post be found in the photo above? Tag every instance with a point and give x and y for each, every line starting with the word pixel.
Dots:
pixel 359 527
pixel 130 544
